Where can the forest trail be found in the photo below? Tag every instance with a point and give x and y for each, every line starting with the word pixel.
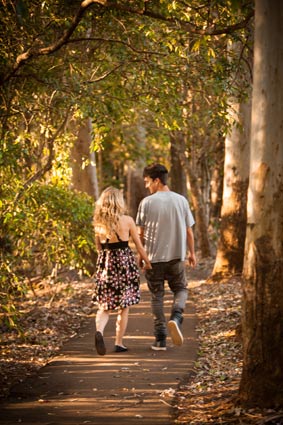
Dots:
pixel 79 387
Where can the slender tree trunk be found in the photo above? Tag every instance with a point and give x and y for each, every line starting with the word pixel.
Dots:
pixel 262 376
pixel 83 162
pixel 216 181
pixel 135 189
pixel 178 179
pixel 197 199
pixel 200 213
pixel 92 170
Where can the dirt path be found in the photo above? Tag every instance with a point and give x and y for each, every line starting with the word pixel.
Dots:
pixel 79 387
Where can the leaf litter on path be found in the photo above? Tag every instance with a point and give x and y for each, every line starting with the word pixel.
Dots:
pixel 209 395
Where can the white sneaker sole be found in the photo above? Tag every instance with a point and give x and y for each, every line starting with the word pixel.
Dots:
pixel 158 348
pixel 175 333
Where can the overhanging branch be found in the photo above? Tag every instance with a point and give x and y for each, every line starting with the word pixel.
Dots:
pixel 193 29
pixel 34 51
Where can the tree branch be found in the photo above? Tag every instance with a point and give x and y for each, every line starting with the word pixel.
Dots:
pixel 211 30
pixel 34 51
pixel 48 164
pixel 112 40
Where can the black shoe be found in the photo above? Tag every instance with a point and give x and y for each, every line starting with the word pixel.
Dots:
pixel 120 349
pixel 159 345
pixel 99 344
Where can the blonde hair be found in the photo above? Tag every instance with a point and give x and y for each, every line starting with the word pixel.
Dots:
pixel 108 209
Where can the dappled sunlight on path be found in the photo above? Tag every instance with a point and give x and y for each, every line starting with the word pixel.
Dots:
pixel 80 387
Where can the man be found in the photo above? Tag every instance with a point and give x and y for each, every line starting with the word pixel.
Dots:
pixel 164 220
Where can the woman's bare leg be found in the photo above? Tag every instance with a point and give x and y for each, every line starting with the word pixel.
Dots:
pixel 121 325
pixel 101 320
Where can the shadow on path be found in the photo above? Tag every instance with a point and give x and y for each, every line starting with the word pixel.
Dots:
pixel 79 387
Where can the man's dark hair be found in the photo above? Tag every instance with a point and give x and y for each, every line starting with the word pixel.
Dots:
pixel 156 171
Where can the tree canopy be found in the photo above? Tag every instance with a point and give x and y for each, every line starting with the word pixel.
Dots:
pixel 161 65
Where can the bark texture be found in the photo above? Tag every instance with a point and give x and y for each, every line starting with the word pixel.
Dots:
pixel 262 324
pixel 135 190
pixel 199 210
pixel 178 180
pixel 133 171
pixel 84 169
pixel 216 182
pixel 230 248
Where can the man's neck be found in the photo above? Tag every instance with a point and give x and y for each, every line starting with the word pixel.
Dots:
pixel 162 188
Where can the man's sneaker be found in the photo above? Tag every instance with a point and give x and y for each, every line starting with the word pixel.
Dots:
pixel 99 344
pixel 175 332
pixel 159 345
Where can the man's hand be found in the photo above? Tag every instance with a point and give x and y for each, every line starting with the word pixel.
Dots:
pixel 146 266
pixel 192 260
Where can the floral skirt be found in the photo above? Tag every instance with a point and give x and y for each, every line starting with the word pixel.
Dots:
pixel 117 281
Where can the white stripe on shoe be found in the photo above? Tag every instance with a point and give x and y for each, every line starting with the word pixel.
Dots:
pixel 159 346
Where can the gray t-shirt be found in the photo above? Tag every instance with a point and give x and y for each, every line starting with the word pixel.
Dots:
pixel 165 217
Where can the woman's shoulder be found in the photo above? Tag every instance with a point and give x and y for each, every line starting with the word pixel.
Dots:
pixel 125 226
pixel 127 218
pixel 126 222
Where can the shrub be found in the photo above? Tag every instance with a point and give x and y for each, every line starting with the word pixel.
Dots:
pixel 49 229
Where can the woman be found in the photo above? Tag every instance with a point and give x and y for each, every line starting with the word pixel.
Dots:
pixel 117 275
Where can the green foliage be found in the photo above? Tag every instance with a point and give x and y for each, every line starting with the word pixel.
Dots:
pixel 50 227
pixel 132 67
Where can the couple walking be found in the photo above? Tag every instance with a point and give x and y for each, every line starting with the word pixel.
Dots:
pixel 163 236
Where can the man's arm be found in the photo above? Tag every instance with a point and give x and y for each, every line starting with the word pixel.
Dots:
pixel 191 247
pixel 141 236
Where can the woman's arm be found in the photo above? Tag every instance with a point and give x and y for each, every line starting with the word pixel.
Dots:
pixel 135 236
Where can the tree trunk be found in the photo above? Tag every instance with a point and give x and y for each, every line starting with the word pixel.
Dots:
pixel 202 240
pixel 135 189
pixel 230 249
pixel 200 214
pixel 178 180
pixel 262 376
pixel 216 182
pixel 84 176
pixel 231 242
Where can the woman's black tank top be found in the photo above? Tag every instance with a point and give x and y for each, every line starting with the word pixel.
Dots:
pixel 115 245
